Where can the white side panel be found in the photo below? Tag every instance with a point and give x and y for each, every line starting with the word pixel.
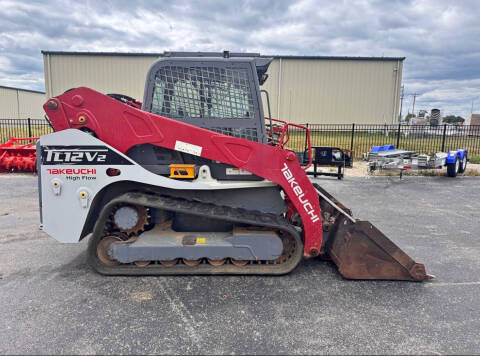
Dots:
pixel 68 189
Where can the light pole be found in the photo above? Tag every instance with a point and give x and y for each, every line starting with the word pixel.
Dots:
pixel 414 98
pixel 401 103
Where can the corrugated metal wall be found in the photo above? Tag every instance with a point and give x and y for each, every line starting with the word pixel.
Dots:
pixel 301 90
pixel 21 104
pixel 335 91
pixel 106 74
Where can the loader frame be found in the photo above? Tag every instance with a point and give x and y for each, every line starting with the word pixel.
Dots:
pixel 210 126
pixel 90 111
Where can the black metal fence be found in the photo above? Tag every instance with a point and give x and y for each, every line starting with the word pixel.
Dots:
pixel 23 128
pixel 361 138
pixel 358 138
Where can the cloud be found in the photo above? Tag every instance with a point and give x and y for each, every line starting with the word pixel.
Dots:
pixel 439 38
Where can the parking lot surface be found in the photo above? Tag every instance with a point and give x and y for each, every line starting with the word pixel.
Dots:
pixel 52 302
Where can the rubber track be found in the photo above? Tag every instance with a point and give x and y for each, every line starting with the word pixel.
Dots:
pixel 212 211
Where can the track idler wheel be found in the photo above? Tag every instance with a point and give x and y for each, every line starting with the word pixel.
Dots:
pixel 102 250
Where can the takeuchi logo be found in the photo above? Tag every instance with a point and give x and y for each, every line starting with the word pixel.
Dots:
pixel 74 171
pixel 297 189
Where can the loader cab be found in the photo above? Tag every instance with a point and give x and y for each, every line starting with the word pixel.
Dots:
pixel 216 91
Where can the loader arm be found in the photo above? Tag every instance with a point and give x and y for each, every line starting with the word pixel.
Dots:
pixel 123 127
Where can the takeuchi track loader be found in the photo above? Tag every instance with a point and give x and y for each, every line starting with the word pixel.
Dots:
pixel 196 180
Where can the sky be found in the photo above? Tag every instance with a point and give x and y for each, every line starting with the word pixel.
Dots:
pixel 440 39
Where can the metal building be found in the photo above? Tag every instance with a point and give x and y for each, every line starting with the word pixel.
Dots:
pixel 16 103
pixel 313 89
pixel 475 119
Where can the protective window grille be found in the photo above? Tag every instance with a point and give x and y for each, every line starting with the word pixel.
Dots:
pixel 203 92
pixel 248 133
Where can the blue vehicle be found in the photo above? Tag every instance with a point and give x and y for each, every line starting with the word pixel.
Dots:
pixel 456 162
pixel 387 157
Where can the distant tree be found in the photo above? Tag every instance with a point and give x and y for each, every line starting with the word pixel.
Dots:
pixel 452 119
pixel 409 116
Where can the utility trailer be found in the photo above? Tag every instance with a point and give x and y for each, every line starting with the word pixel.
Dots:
pixel 388 157
pixel 326 156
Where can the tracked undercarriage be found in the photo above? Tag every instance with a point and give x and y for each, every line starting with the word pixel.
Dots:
pixel 183 261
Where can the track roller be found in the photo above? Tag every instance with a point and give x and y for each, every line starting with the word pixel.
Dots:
pixel 217 263
pixel 191 263
pixel 142 263
pixel 169 263
pixel 238 263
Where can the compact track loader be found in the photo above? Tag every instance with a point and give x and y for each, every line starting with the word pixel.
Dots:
pixel 196 180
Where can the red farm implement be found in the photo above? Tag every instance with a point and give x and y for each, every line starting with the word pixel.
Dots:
pixel 18 155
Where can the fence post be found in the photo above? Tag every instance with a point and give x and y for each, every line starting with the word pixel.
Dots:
pixel 443 138
pixel 398 136
pixel 306 138
pixel 29 128
pixel 351 140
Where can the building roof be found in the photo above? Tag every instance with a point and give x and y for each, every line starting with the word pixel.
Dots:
pixel 155 54
pixel 29 90
pixel 342 58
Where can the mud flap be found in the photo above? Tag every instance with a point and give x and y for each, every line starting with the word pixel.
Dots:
pixel 361 251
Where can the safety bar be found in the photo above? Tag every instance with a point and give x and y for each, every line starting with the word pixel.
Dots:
pixel 286 133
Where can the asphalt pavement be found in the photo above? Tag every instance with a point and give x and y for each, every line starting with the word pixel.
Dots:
pixel 52 302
